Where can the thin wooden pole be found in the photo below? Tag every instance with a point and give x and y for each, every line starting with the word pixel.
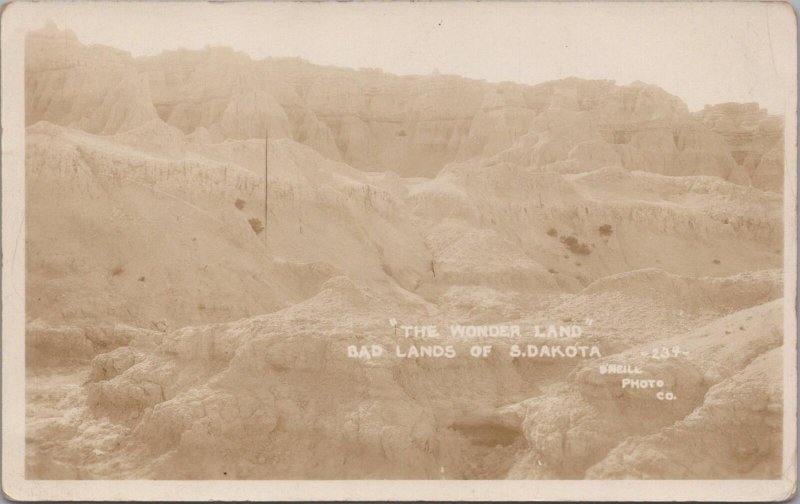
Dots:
pixel 266 183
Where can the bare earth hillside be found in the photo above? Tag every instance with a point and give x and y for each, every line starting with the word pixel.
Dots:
pixel 175 332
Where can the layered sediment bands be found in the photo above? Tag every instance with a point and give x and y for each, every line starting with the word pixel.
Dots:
pixel 413 125
pixel 737 431
pixel 178 326
pixel 261 397
pixel 500 226
pixel 98 88
pixel 70 344
pixel 321 221
pixel 755 140
pixel 593 422
pixel 691 294
pixel 572 230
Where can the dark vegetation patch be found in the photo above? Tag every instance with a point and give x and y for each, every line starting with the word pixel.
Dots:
pixel 256 225
pixel 117 271
pixel 575 246
pixel 552 232
pixel 239 203
pixel 605 230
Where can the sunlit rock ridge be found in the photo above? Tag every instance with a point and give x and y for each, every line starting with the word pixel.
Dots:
pixel 413 125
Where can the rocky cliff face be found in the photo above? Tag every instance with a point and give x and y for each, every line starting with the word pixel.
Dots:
pixel 515 231
pixel 593 428
pixel 95 89
pixel 412 125
pixel 559 185
pixel 755 140
pixel 263 398
pixel 209 330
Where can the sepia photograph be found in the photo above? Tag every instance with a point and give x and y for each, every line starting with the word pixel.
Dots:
pixel 474 250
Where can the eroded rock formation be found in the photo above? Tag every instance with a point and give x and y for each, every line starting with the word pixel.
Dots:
pixel 208 333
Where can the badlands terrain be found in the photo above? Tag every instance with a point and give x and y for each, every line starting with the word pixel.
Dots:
pixel 175 332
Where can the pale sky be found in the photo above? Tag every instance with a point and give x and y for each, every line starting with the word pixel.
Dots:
pixel 707 52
